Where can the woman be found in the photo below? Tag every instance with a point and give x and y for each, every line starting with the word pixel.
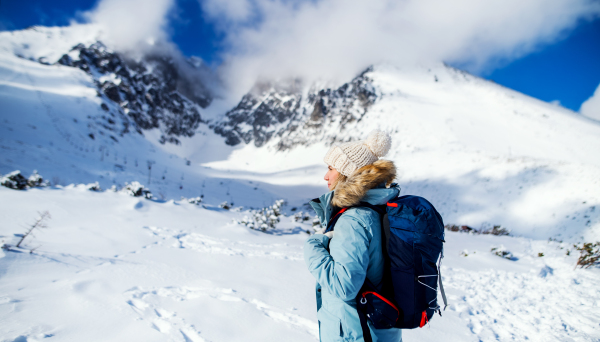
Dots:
pixel 341 260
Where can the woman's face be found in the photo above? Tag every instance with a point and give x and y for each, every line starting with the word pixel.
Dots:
pixel 331 177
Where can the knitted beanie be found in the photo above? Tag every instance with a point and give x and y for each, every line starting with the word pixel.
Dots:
pixel 349 157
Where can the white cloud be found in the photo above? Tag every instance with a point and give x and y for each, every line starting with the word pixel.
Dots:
pixel 142 27
pixel 229 12
pixel 335 39
pixel 591 107
pixel 131 25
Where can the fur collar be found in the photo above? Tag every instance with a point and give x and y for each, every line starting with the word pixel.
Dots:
pixel 355 187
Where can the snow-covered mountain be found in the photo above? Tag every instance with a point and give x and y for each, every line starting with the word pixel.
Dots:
pixel 79 112
pixel 484 154
pixel 152 93
pixel 156 91
pixel 116 267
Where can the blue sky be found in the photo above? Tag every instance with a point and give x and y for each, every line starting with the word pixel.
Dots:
pixel 566 70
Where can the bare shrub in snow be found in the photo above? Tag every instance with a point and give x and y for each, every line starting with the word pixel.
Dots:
pixel 589 254
pixel 226 205
pixel 455 228
pixel 35 180
pixel 464 253
pixel 301 217
pixel 316 223
pixel 502 252
pixel 94 187
pixel 136 189
pixel 193 200
pixel 15 180
pixel 39 223
pixel 496 230
pixel 265 218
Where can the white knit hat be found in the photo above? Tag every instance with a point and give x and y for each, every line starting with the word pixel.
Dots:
pixel 349 157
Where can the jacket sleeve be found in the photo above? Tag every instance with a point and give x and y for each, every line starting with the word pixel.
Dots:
pixel 343 269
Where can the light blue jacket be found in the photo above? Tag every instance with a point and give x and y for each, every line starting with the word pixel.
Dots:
pixel 354 253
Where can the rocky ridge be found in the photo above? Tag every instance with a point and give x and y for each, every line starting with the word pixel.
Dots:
pixel 286 113
pixel 161 92
pixel 155 92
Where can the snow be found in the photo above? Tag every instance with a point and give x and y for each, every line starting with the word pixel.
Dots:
pixel 591 106
pixel 115 267
pixel 177 267
pixel 48 43
pixel 123 267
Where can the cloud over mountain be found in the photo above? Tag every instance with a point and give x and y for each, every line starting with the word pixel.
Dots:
pixel 131 25
pixel 335 39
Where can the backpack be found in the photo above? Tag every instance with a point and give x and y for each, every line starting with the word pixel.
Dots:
pixel 412 242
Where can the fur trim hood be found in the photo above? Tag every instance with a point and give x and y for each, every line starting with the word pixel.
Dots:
pixel 351 191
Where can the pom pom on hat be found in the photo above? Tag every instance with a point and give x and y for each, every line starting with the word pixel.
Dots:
pixel 379 143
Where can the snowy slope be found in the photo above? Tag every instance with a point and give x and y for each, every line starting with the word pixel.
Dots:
pixel 48 44
pixel 111 267
pixel 119 268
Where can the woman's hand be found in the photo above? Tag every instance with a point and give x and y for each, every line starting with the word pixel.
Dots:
pixel 322 231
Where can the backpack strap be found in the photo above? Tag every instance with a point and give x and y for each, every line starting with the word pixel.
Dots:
pixel 386 289
pixel 440 281
pixel 379 209
pixel 361 315
pixel 385 224
pixel 365 326
pixel 367 286
pixel 333 220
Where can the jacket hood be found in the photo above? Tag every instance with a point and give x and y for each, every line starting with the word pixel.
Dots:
pixel 352 191
pixel 372 191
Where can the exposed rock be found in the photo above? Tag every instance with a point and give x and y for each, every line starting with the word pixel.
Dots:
pixel 280 111
pixel 15 180
pixel 136 189
pixel 154 92
pixel 94 187
pixel 263 112
pixel 36 180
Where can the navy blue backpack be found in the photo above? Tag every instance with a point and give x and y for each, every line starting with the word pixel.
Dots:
pixel 412 243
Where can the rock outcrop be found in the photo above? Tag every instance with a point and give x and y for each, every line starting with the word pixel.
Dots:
pixel 285 112
pixel 155 92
